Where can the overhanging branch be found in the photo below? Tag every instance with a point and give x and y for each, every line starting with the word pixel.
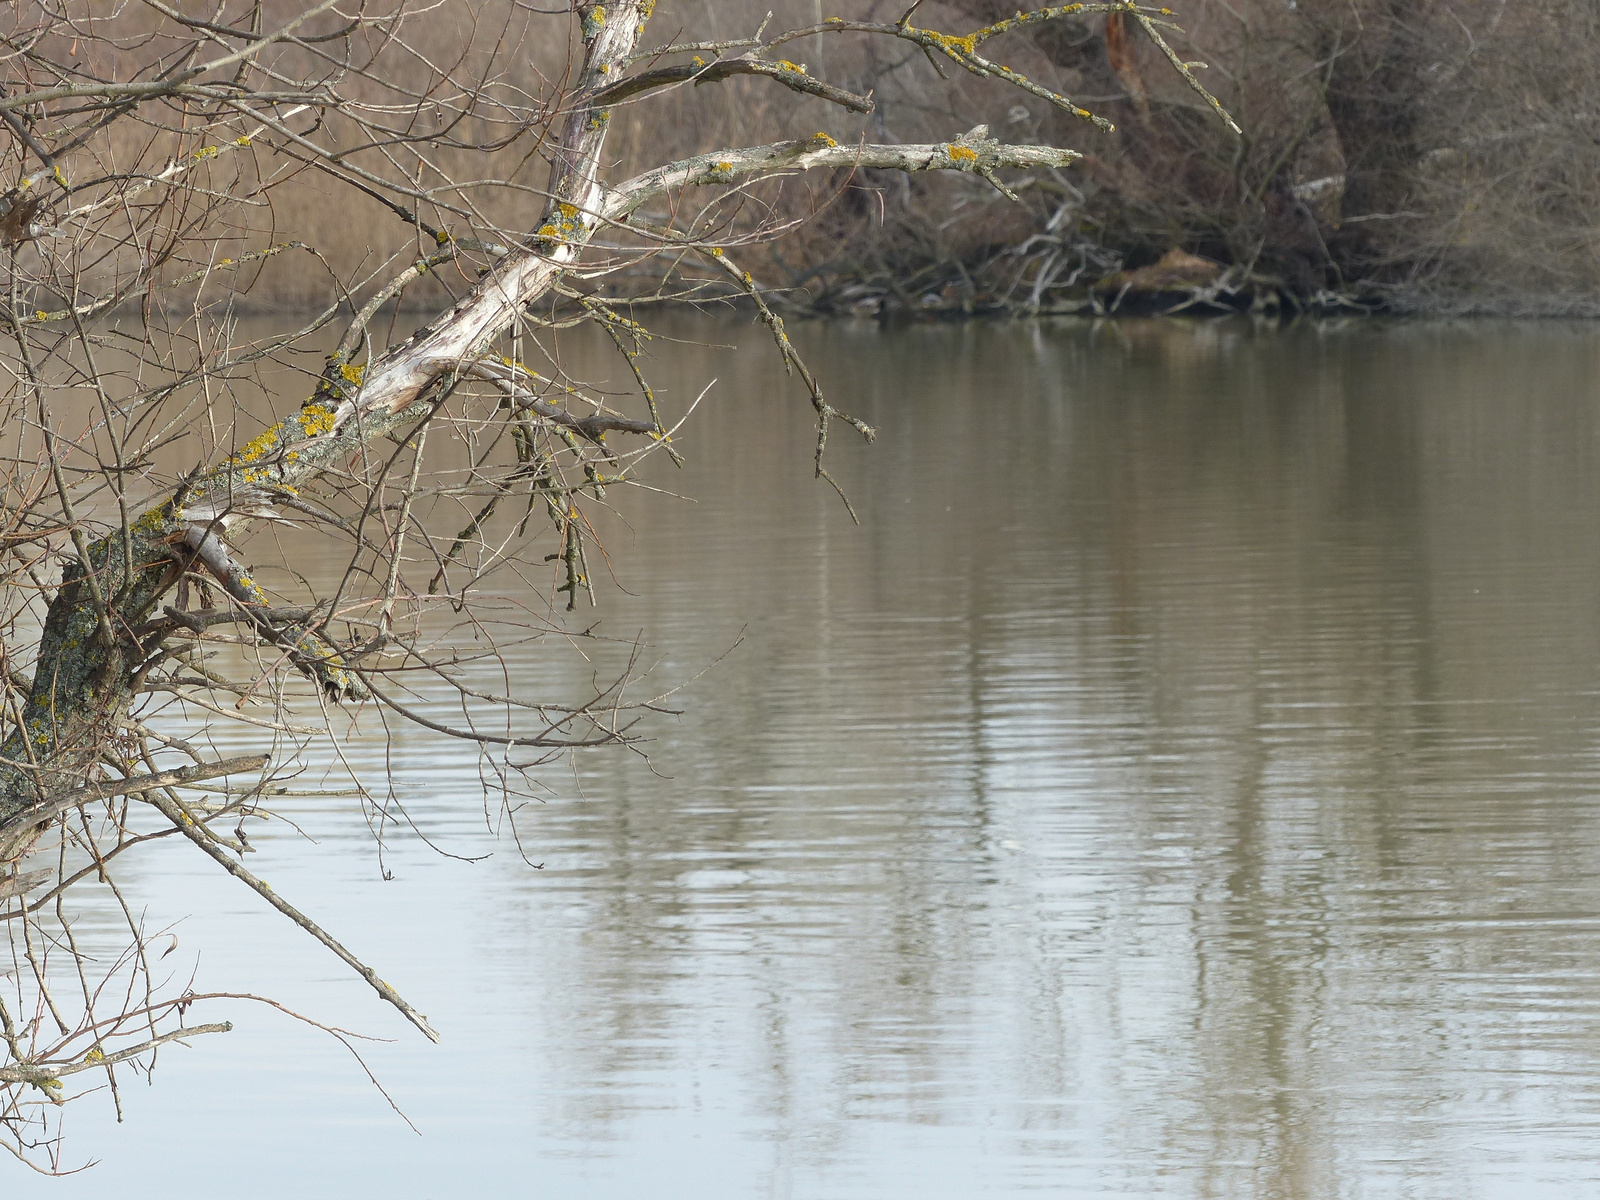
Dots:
pixel 790 75
pixel 19 829
pixel 974 152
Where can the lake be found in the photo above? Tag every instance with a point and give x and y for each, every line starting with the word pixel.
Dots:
pixel 1182 783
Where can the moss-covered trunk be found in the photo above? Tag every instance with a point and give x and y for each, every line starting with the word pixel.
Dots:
pixel 83 682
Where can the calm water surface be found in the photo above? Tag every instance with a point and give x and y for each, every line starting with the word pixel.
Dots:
pixel 1184 783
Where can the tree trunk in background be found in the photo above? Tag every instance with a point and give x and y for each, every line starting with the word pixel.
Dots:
pixel 1375 96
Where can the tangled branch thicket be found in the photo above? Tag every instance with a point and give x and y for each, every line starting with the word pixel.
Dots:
pixel 164 167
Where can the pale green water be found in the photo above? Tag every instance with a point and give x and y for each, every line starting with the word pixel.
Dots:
pixel 1183 784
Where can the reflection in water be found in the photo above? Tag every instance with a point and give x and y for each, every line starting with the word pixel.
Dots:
pixel 1181 784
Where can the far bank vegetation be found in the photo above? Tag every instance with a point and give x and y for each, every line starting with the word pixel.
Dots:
pixel 1399 155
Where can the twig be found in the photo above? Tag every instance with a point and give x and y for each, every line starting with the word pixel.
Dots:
pixel 14 832
pixel 43 1076
pixel 176 815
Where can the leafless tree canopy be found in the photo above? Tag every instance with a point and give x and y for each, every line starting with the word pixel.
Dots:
pixel 163 164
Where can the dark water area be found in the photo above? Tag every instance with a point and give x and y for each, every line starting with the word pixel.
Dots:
pixel 1185 783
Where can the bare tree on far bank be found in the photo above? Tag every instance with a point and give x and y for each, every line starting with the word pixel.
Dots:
pixel 148 152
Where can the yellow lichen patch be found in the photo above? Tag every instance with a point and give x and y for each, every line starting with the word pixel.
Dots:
pixel 152 523
pixel 206 152
pixel 352 373
pixel 785 65
pixel 442 238
pixel 258 447
pixel 523 367
pixel 823 139
pixel 243 141
pixel 962 154
pixel 315 419
pixel 949 42
pixel 567 221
